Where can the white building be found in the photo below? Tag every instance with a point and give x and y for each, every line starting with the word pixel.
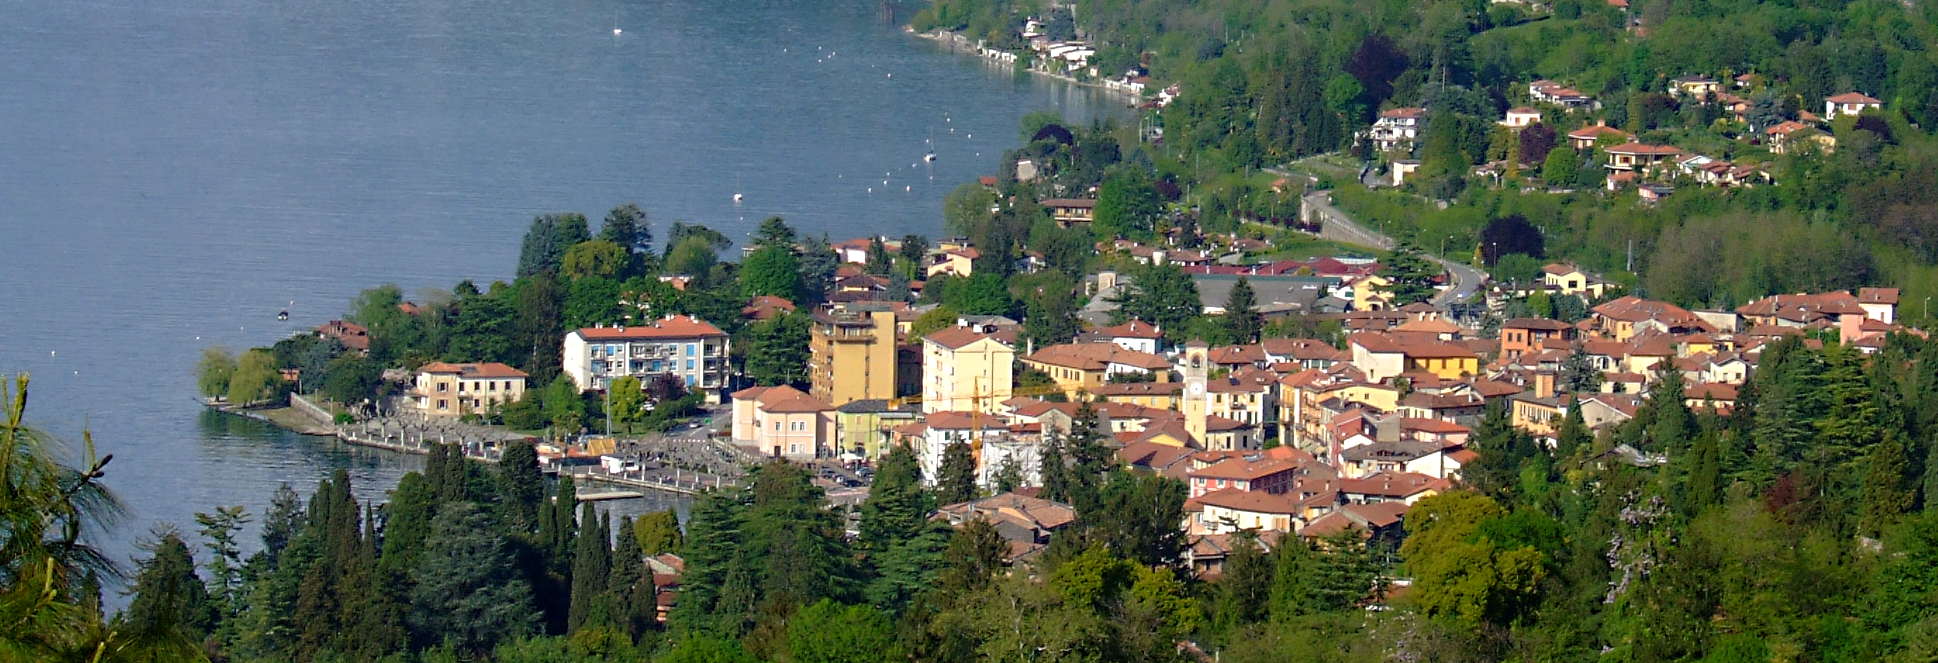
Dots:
pixel 679 345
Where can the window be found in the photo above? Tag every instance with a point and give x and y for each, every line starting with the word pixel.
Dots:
pixel 689 363
pixel 690 349
pixel 443 404
pixel 777 425
pixel 442 387
pixel 612 349
pixel 800 426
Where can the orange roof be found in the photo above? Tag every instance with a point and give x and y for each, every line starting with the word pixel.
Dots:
pixel 1851 98
pixel 1595 131
pixel 490 369
pixel 1096 357
pixel 965 421
pixel 672 326
pixel 1244 470
pixel 1133 329
pixel 955 338
pixel 1640 148
pixel 1245 500
pixel 783 398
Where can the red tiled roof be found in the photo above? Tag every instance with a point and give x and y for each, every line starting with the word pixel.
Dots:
pixel 1852 98
pixel 955 338
pixel 1241 469
pixel 1133 329
pixel 490 369
pixel 675 326
pixel 1254 502
pixel 1096 357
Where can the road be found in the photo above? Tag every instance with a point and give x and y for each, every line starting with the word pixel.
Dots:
pixel 1466 279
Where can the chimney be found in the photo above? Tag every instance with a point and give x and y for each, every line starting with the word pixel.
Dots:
pixel 1543 384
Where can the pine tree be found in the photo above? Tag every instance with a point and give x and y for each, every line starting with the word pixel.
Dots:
pixel 1573 434
pixel 1703 486
pixel 1243 592
pixel 897 507
pixel 1088 459
pixel 1052 469
pixel 878 260
pixel 171 611
pixel 1673 425
pixel 955 480
pixel 975 555
pixel 794 542
pixel 626 225
pixel 591 571
pixel 521 486
pixel 1241 317
pixel 1500 448
pixel 465 589
pixel 713 552
pixel 1887 492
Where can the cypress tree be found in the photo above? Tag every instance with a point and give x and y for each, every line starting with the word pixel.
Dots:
pixel 955 480
pixel 1053 470
pixel 522 485
pixel 591 570
pixel 632 594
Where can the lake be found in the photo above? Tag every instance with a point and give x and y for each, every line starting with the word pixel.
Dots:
pixel 174 173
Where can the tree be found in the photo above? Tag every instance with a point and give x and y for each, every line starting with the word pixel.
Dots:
pixel 591 571
pixel 818 264
pixel 466 590
pixel 955 480
pixel 1243 592
pixel 1127 205
pixel 595 258
pixel 658 532
pixel 521 486
pixel 213 372
pixel 255 378
pixel 627 227
pixel 1558 168
pixel 771 270
pixel 1537 140
pixel 1410 274
pixel 1511 234
pixel 626 401
pixel 1241 317
pixel 879 260
pixel 913 251
pixel 1466 579
pixel 351 379
pixel 1138 518
pixel 546 242
pixel 777 350
pixel 693 256
pixel 171 612
pixel 774 232
pixel 1330 576
pixel 538 326
pixel 1163 295
pixel 983 293
pixel 563 407
pixel 827 632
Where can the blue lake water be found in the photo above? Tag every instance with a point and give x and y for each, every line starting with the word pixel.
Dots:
pixel 174 173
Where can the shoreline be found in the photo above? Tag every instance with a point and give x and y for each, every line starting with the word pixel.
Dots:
pixel 960 44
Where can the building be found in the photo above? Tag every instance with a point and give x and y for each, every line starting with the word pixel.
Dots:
pixel 941 429
pixel 1253 473
pixel 1134 335
pixel 454 390
pixel 1550 92
pixel 352 335
pixel 1586 137
pixel 1566 279
pixel 1849 103
pixel 1381 356
pixel 1397 128
pixel 1699 87
pixel 784 422
pixel 1634 157
pixel 863 428
pixel 852 355
pixel 960 261
pixel 1523 335
pixel 682 346
pixel 1520 117
pixel 1070 210
pixel 1026 523
pixel 963 369
pixel 1624 317
pixel 1087 366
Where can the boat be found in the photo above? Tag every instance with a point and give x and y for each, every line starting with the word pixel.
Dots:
pixel 929 157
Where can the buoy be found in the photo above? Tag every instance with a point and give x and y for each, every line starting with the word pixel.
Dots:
pixel 616 31
pixel 907 188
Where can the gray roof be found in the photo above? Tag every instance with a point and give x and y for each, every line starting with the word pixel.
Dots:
pixel 1299 293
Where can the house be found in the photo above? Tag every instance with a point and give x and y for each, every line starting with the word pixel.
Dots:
pixel 1523 335
pixel 1698 87
pixel 1402 168
pixel 1067 211
pixel 454 390
pixel 1788 134
pixel 1087 366
pixel 1397 128
pixel 1206 553
pixel 1849 103
pixel 1624 317
pixel 1305 352
pixel 1253 472
pixel 1232 510
pixel 784 422
pixel 685 347
pixel 353 336
pixel 1637 157
pixel 1248 401
pixel 766 307
pixel 1158 395
pixel 1880 304
pixel 864 428
pixel 942 429
pixel 1025 523
pixel 1550 92
pixel 1520 117
pixel 953 262
pixel 1134 335
pixel 1380 356
pixel 854 250
pixel 852 354
pixel 963 369
pixel 1381 522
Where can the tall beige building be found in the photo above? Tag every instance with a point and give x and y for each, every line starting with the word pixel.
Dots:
pixel 965 370
pixel 853 355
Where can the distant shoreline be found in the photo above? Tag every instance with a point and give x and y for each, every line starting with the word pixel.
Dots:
pixel 957 42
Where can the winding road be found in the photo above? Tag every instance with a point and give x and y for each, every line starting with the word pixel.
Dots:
pixel 1467 280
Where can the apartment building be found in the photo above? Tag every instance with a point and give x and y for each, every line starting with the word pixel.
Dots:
pixel 683 346
pixel 853 355
pixel 454 390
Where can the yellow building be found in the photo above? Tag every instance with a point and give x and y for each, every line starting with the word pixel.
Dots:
pixel 952 262
pixel 1370 293
pixel 964 370
pixel 455 390
pixel 1537 415
pixel 853 355
pixel 866 427
pixel 1158 395
pixel 1570 280
pixel 1086 367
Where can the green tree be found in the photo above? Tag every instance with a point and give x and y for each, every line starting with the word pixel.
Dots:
pixel 1241 313
pixel 626 226
pixel 692 256
pixel 777 350
pixel 981 294
pixel 171 612
pixel 1242 594
pixel 658 532
pixel 771 270
pixel 351 379
pixel 591 572
pixel 521 486
pixel 774 232
pixel 827 632
pixel 546 242
pixel 1127 205
pixel 955 479
pixel 625 402
pixel 563 407
pixel 1559 167
pixel 213 372
pixel 1163 295
pixel 255 378
pixel 1459 576
pixel 1410 274
pixel 466 590
pixel 595 258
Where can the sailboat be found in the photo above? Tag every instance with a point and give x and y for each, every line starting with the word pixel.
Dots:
pixel 736 190
pixel 930 156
